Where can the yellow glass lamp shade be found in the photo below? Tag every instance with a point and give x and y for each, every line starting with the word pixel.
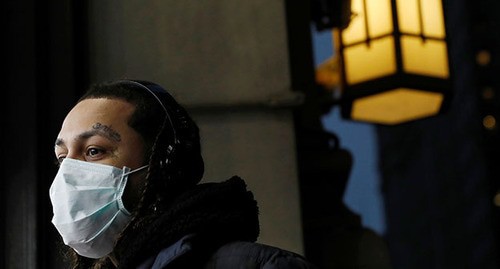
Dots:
pixel 396 106
pixel 394 46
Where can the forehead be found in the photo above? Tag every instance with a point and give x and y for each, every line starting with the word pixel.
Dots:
pixel 111 112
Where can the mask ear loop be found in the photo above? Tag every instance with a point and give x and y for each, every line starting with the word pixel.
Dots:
pixel 135 170
pixel 125 174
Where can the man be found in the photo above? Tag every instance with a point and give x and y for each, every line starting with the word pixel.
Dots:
pixel 127 195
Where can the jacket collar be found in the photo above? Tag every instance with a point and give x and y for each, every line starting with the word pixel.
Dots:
pixel 169 254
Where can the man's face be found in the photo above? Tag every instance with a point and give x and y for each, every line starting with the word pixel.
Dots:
pixel 96 130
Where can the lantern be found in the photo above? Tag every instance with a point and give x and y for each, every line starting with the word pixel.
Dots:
pixel 394 61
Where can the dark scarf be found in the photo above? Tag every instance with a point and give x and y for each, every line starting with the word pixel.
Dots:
pixel 217 212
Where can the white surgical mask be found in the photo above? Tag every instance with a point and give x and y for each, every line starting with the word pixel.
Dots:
pixel 88 208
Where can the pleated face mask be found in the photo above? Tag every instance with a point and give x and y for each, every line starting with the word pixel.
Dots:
pixel 88 209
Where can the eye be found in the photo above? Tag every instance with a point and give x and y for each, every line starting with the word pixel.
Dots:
pixel 59 156
pixel 94 153
pixel 59 160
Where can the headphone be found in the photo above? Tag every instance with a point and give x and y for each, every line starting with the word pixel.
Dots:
pixel 155 90
pixel 183 142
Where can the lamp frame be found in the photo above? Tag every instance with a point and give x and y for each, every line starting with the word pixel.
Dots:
pixel 398 79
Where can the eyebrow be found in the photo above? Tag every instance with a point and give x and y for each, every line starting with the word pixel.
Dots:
pixel 97 129
pixel 59 142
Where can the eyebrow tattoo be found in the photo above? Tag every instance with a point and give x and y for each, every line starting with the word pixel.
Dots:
pixel 107 131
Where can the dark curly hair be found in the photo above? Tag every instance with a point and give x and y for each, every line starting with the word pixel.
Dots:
pixel 172 147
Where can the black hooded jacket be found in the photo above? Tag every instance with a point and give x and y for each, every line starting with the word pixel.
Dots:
pixel 214 225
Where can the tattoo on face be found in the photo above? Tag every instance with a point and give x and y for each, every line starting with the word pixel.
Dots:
pixel 108 131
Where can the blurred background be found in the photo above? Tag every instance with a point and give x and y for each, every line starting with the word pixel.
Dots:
pixel 365 128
